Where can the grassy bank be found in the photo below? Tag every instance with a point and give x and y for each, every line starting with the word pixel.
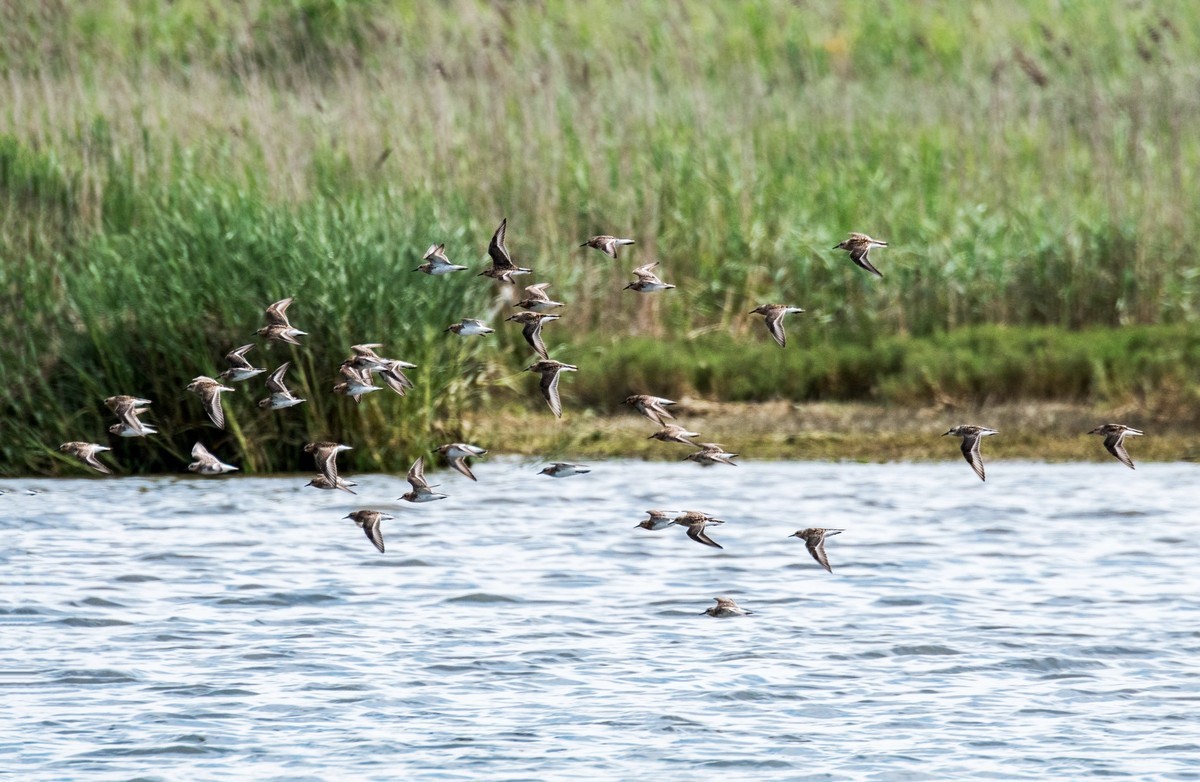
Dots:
pixel 168 169
pixel 843 431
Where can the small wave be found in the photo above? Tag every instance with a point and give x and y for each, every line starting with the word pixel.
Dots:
pixel 97 602
pixel 83 621
pixel 899 601
pixel 749 764
pixel 93 676
pixel 383 562
pixel 926 649
pixel 170 749
pixel 481 597
pixel 281 599
pixel 1119 651
pixel 205 691
pixel 1051 664
pixel 21 611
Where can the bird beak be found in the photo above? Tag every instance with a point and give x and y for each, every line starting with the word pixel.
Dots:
pixel 945 434
pixel 417 269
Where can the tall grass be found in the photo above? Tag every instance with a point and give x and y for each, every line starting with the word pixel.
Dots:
pixel 145 310
pixel 167 169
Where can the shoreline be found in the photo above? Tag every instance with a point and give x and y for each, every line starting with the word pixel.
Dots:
pixel 1047 432
pixel 833 431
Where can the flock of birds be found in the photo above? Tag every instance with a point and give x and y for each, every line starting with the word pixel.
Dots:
pixel 359 370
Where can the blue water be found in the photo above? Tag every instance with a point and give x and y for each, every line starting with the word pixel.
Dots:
pixel 1045 625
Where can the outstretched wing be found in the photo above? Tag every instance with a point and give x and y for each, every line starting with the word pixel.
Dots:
pixel 970 451
pixel 533 335
pixel 276 314
pixel 416 475
pixel 460 463
pixel 275 379
pixel 326 461
pixel 374 532
pixel 496 249
pixel 89 458
pixel 859 256
pixel 212 404
pixel 237 357
pixel 697 534
pixel 549 386
pixel 816 547
pixel 1115 443
pixel 774 323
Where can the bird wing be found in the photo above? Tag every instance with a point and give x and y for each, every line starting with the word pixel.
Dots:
pixel 359 377
pixel 647 272
pixel 436 252
pixel 201 454
pixel 125 408
pixel 416 475
pixel 1115 443
pixel 396 380
pixel 538 291
pixel 696 533
pixel 680 434
pixel 89 458
pixel 774 323
pixel 460 463
pixel 374 532
pixel 970 451
pixel 275 379
pixel 533 335
pixel 212 404
pixel 366 350
pixel 816 547
pixel 496 249
pixel 127 413
pixel 237 357
pixel 326 461
pixel 658 405
pixel 859 256
pixel 549 386
pixel 276 314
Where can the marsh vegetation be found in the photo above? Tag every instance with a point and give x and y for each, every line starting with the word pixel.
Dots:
pixel 166 170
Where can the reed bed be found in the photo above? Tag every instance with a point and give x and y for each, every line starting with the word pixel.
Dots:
pixel 168 169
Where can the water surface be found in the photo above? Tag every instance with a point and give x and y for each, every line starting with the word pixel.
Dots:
pixel 1043 625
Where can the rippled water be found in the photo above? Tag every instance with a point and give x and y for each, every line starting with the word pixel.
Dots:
pixel 1043 625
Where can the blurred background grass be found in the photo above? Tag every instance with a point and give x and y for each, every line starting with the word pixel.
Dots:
pixel 166 170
